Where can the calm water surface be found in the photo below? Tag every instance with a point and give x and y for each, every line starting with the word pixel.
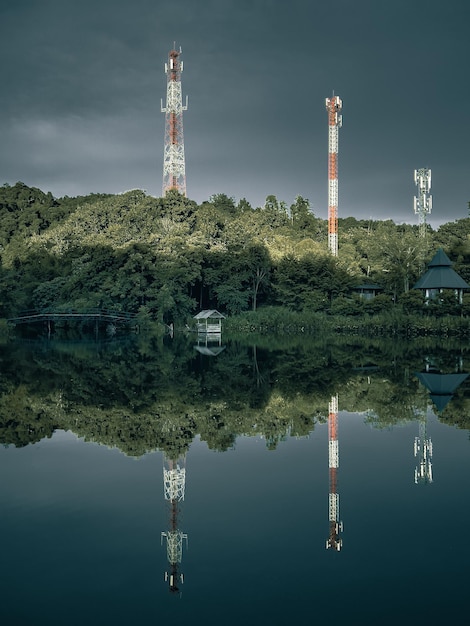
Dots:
pixel 82 528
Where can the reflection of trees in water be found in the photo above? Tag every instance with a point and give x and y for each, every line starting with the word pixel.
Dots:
pixel 23 418
pixel 153 394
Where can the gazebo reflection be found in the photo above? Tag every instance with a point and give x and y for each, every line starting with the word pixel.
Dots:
pixel 441 387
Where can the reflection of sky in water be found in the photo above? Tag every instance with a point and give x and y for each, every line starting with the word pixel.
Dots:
pixel 82 525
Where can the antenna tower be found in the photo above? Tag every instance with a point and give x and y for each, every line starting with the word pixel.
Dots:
pixel 174 174
pixel 423 451
pixel 336 526
pixel 335 121
pixel 174 479
pixel 423 201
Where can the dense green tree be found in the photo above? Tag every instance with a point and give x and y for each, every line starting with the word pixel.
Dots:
pixel 300 214
pixel 223 203
pixel 244 206
pixel 274 212
pixel 309 282
pixel 259 268
pixel 396 256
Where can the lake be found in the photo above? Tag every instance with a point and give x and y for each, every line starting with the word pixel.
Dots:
pixel 153 481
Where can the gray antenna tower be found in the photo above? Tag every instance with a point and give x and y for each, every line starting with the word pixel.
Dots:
pixel 423 201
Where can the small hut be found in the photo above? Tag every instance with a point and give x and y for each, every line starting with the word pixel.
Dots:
pixel 368 291
pixel 209 321
pixel 439 277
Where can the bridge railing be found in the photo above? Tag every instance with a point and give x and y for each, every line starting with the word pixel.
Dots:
pixel 40 315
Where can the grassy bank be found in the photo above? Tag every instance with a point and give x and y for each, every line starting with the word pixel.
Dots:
pixel 274 320
pixel 4 329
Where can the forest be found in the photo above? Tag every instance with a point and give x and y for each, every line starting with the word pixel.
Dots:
pixel 166 258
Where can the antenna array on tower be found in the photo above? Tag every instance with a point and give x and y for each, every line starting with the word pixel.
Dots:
pixel 423 201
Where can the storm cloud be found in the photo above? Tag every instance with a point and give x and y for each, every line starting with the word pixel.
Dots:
pixel 82 84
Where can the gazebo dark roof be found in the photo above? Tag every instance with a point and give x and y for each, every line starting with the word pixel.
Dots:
pixel 440 274
pixel 441 386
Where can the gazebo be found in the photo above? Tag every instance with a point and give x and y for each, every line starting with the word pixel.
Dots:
pixel 439 277
pixel 209 321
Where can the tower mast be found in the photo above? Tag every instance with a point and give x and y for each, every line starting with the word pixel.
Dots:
pixel 423 201
pixel 335 120
pixel 336 526
pixel 174 173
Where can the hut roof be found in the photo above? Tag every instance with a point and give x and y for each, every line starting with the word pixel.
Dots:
pixel 440 274
pixel 440 259
pixel 370 287
pixel 209 314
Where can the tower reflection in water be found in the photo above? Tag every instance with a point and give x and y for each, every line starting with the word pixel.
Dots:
pixel 336 526
pixel 423 451
pixel 441 387
pixel 174 478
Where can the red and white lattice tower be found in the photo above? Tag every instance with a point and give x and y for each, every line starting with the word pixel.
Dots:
pixel 336 526
pixel 174 173
pixel 335 120
pixel 174 480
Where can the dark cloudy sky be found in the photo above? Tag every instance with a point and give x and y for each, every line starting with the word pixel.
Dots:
pixel 82 80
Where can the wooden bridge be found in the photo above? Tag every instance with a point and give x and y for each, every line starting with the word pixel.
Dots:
pixel 97 315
